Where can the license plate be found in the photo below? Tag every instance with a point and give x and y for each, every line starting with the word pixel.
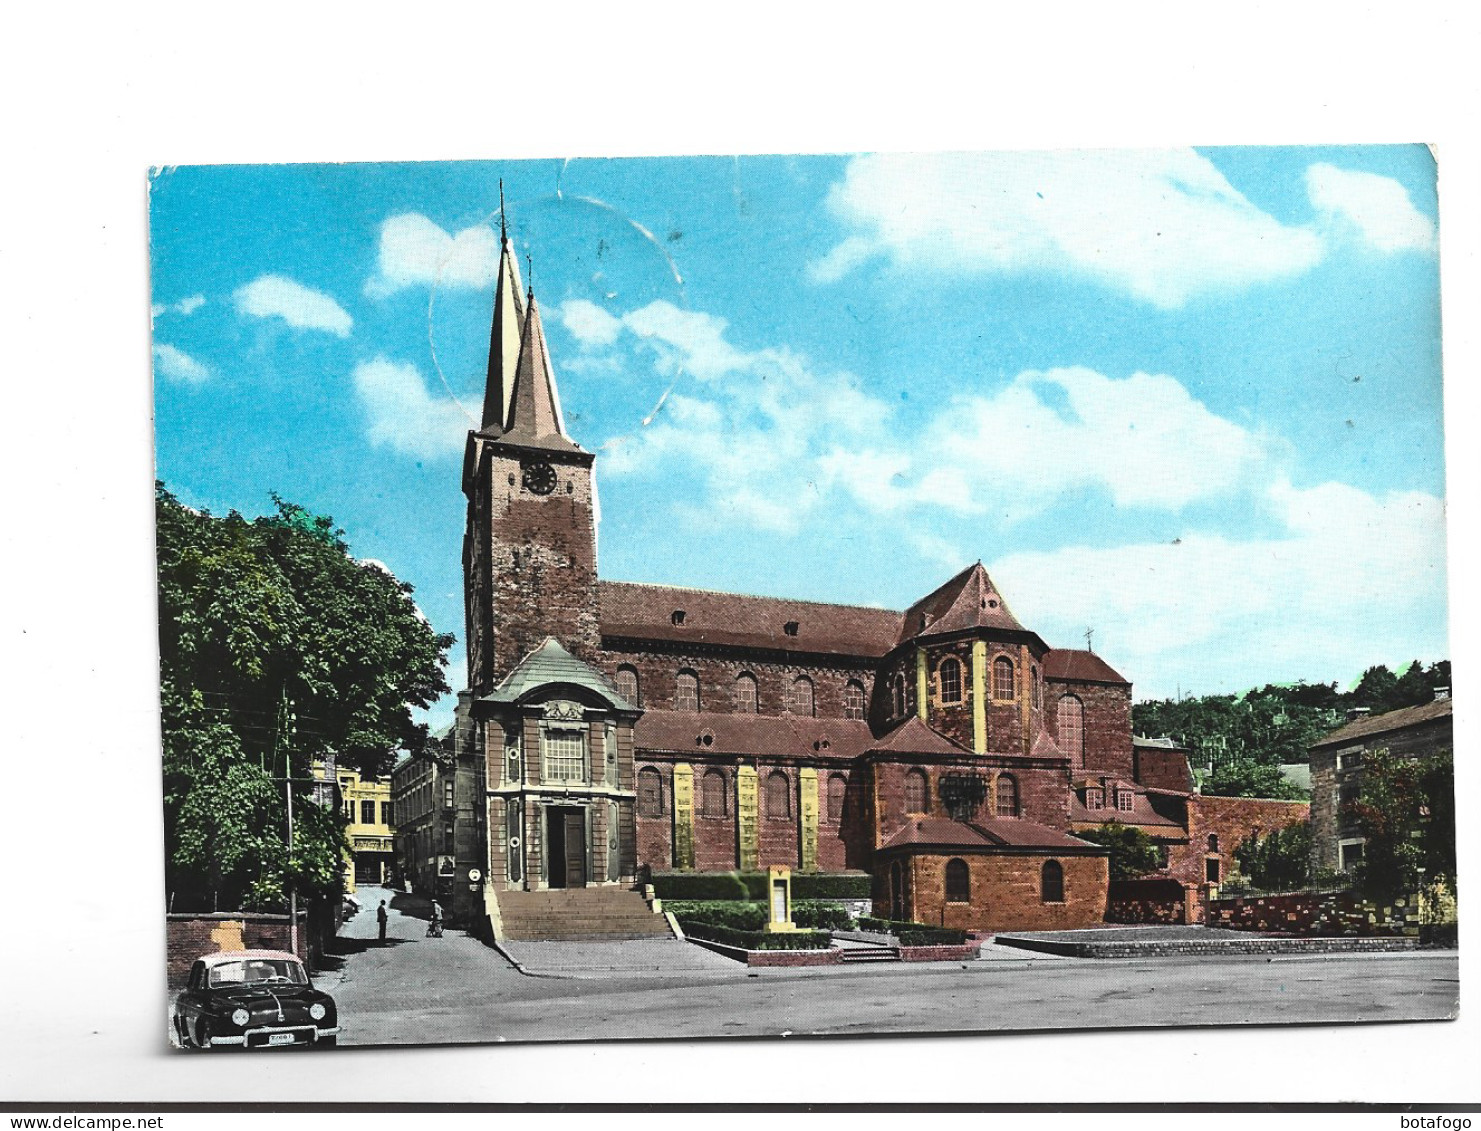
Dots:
pixel 280 1038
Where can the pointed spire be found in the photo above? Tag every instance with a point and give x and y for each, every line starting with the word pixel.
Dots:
pixel 534 406
pixel 509 315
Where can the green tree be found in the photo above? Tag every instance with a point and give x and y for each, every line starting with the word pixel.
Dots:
pixel 1248 778
pixel 276 648
pixel 1132 852
pixel 1279 860
pixel 1406 812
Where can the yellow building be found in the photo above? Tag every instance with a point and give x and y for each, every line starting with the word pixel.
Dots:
pixel 369 828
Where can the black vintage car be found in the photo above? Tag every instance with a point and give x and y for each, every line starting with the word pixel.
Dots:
pixel 253 999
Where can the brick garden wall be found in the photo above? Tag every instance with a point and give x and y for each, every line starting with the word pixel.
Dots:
pixel 1150 901
pixel 1233 820
pixel 1314 913
pixel 188 937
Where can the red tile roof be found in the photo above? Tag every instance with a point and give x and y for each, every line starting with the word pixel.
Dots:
pixel 1389 721
pixel 646 612
pixel 986 834
pixel 1081 666
pixel 683 732
pixel 968 600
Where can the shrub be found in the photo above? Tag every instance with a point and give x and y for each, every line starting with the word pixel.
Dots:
pixel 699 885
pixel 831 885
pixel 821 915
pixel 757 940
pixel 914 934
pixel 755 884
pixel 719 913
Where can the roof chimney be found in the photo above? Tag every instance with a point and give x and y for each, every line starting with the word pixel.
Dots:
pixel 1356 713
pixel 1442 693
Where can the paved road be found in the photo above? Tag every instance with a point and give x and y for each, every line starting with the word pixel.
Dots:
pixel 417 990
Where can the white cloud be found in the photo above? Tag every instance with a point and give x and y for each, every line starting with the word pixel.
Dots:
pixel 303 308
pixel 404 416
pixel 176 365
pixel 186 306
pixel 588 323
pixel 1163 226
pixel 1356 579
pixel 414 251
pixel 1379 207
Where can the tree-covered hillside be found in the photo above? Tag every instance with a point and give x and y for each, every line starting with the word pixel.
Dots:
pixel 1240 740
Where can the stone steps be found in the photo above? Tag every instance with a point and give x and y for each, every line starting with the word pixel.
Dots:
pixel 575 914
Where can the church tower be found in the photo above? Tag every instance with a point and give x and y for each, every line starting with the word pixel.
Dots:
pixel 529 547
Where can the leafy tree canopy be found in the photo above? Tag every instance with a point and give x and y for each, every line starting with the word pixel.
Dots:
pixel 1133 853
pixel 1406 811
pixel 1245 777
pixel 276 648
pixel 1277 861
pixel 1276 723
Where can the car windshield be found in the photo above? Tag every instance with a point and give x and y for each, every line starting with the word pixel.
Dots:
pixel 253 971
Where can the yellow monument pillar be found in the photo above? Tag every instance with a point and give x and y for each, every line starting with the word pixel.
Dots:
pixel 979 696
pixel 922 686
pixel 779 898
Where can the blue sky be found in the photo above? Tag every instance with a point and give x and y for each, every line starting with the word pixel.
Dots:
pixel 1191 399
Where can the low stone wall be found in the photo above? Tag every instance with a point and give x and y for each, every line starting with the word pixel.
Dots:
pixel 1255 944
pixel 830 957
pixel 964 953
pixel 1149 901
pixel 1316 914
pixel 187 937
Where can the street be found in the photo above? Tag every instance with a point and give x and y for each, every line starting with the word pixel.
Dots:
pixel 453 990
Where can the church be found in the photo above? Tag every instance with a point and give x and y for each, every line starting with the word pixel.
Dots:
pixel 612 730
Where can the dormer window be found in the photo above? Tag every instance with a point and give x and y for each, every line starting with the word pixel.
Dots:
pixel 1124 800
pixel 790 628
pixel 1095 799
pixel 677 617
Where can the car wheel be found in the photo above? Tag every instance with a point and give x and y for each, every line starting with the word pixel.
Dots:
pixel 326 1042
pixel 202 1035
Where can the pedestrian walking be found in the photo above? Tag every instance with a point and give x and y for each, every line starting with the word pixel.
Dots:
pixel 434 925
pixel 380 920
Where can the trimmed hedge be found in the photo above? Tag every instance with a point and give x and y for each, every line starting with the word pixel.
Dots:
pixel 757 940
pixel 719 913
pixel 752 885
pixel 831 885
pixel 698 885
pixel 914 934
pixel 821 915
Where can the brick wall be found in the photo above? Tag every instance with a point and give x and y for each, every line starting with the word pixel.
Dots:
pixel 1043 789
pixel 1150 901
pixel 1233 820
pixel 1107 722
pixel 538 567
pixel 1314 913
pixel 1005 891
pixel 658 672
pixel 188 937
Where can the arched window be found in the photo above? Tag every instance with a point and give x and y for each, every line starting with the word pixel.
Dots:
pixel 627 684
pixel 745 693
pixel 800 699
pixel 1007 796
pixel 1213 842
pixel 713 801
pixel 650 793
pixel 958 882
pixel 949 677
pixel 915 792
pixel 686 691
pixel 1051 882
pixel 897 696
pixel 1072 729
pixel 778 796
pixel 837 788
pixel 853 700
pixel 1002 678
